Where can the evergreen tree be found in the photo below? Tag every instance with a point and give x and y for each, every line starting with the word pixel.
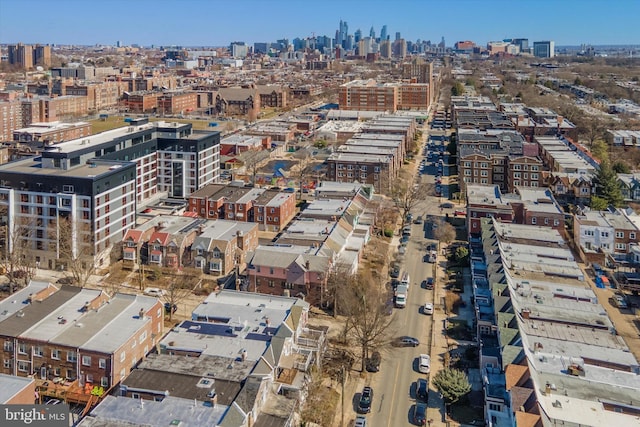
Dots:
pixel 452 384
pixel 608 186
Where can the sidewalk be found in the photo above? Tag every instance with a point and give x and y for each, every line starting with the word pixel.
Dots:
pixel 439 347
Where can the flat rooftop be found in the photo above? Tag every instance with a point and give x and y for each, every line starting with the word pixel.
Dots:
pixel 326 208
pixel 12 385
pixel 126 412
pixel 30 166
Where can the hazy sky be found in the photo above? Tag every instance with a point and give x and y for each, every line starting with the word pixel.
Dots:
pixel 219 22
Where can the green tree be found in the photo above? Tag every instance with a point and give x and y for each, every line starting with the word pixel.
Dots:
pixel 608 186
pixel 600 151
pixel 457 89
pixel 462 254
pixel 598 203
pixel 452 384
pixel 620 167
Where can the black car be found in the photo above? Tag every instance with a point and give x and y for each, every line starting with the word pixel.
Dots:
pixel 169 308
pixel 364 404
pixel 420 414
pixel 395 272
pixel 405 341
pixel 422 389
pixel 373 362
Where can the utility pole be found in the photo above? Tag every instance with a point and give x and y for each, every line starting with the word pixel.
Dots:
pixel 342 378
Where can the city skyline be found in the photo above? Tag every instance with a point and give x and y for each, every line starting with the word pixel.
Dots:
pixel 570 22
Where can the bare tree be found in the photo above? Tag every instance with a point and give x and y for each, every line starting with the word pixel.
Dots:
pixel 304 168
pixel 338 279
pixel 367 321
pixel 406 195
pixel 76 250
pixel 180 287
pixel 445 232
pixel 19 262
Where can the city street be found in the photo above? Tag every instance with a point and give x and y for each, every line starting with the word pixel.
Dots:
pixel 394 385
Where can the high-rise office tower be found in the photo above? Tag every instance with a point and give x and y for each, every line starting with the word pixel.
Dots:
pixel 357 36
pixel 372 33
pixel 398 35
pixel 383 33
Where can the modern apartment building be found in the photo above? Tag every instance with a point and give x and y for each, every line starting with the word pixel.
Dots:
pixel 99 181
pixel 544 49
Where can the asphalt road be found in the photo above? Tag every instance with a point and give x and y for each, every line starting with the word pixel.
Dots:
pixel 394 385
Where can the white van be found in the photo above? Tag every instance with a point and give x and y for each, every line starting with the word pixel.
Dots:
pixel 405 279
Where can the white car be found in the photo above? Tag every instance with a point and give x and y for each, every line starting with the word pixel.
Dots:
pixel 361 421
pixel 424 365
pixel 428 308
pixel 154 292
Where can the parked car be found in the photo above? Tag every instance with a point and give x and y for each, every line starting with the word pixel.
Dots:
pixel 169 308
pixel 9 287
pixel 405 341
pixel 404 240
pixel 364 404
pixel 373 362
pixel 420 414
pixel 460 212
pixel 154 292
pixel 395 272
pixel 424 363
pixel 418 220
pixel 447 205
pixel 428 308
pixel 429 284
pixel 422 389
pixel 65 281
pixel 361 421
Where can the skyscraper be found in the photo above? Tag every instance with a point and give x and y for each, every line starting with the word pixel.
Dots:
pixel 357 36
pixel 343 32
pixel 398 35
pixel 383 33
pixel 372 33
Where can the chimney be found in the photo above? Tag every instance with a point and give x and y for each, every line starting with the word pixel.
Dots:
pixel 267 322
pixel 243 355
pixel 213 399
pixel 525 313
pixel 560 120
pixel 547 389
pixel 141 314
pixel 307 264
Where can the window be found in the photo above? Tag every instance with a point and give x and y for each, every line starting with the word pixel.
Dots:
pixel 556 222
pixel 135 395
pixel 37 351
pixel 516 174
pixel 534 220
pixel 86 360
pixel 604 234
pixel 22 348
pixel 123 356
pixel 71 356
pixel 516 167
pixel 7 363
pixel 494 407
pixel 484 173
pixel 467 172
pixel 619 235
pixel 8 346
pixel 67 189
pixel 621 246
pixel 104 381
pixel 143 336
pixel 102 363
pixel 23 366
pixel 632 235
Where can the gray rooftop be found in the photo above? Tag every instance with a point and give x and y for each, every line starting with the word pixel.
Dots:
pixel 119 329
pixel 30 315
pixel 11 385
pixel 18 300
pixel 127 412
